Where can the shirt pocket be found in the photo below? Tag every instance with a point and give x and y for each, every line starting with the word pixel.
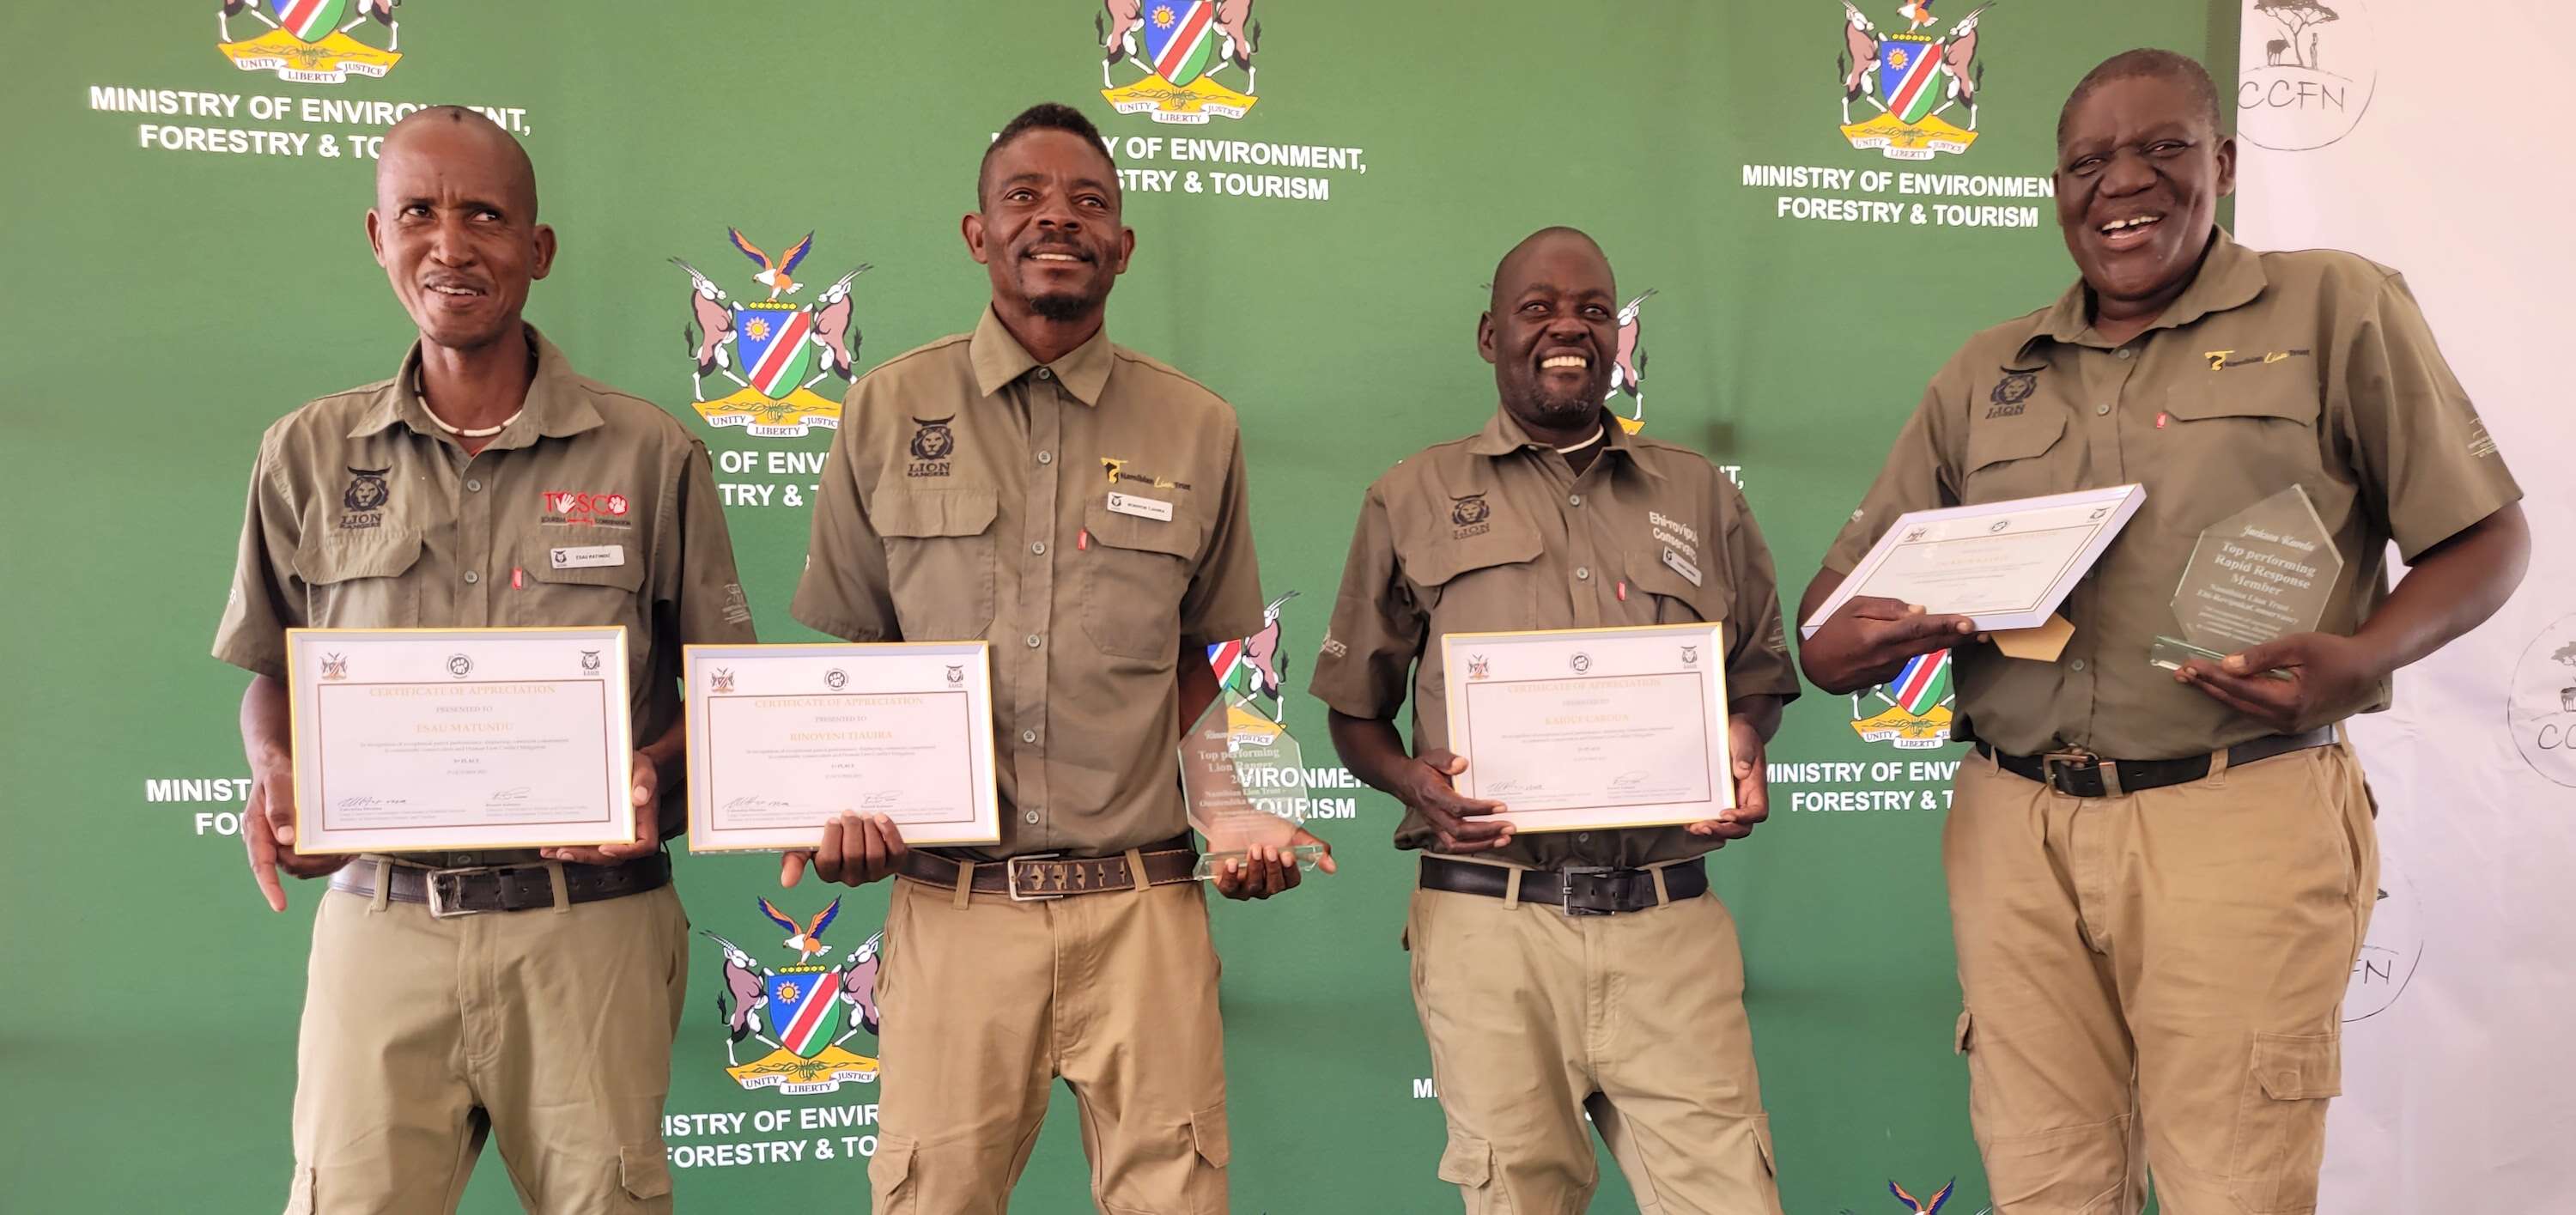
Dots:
pixel 1673 597
pixel 939 559
pixel 2011 458
pixel 589 596
pixel 1481 584
pixel 2224 450
pixel 1133 573
pixel 358 580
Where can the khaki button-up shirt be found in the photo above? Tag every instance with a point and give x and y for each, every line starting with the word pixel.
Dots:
pixel 364 515
pixel 1495 533
pixel 1087 518
pixel 2313 369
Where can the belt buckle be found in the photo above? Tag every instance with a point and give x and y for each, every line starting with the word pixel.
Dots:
pixel 2106 771
pixel 438 908
pixel 1566 878
pixel 1011 875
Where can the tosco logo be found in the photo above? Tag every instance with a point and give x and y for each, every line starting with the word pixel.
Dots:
pixel 2541 709
pixel 2307 72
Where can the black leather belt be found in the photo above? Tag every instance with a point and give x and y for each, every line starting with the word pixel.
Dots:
pixel 1579 890
pixel 1048 875
pixel 451 892
pixel 2078 775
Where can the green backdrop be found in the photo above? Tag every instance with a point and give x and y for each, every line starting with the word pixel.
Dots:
pixel 184 229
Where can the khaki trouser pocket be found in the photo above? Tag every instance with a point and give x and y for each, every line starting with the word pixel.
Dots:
pixel 2280 1140
pixel 890 1177
pixel 1213 1146
pixel 1468 1163
pixel 299 1190
pixel 645 1174
pixel 1762 1141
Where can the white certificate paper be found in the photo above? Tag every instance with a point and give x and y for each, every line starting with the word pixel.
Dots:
pixel 436 739
pixel 1585 728
pixel 2005 564
pixel 784 738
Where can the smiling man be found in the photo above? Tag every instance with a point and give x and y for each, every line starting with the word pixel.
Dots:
pixel 2159 879
pixel 441 498
pixel 1083 508
pixel 1565 973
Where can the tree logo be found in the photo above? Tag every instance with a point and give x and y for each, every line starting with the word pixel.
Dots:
pixel 2307 71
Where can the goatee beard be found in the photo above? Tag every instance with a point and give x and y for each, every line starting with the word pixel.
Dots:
pixel 1061 307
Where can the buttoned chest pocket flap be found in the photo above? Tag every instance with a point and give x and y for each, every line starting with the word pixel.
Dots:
pixel 357 579
pixel 1134 571
pixel 2014 457
pixel 1481 583
pixel 2226 446
pixel 1677 599
pixel 939 559
pixel 579 580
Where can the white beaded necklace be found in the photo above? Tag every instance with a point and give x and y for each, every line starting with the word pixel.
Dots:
pixel 479 432
pixel 1596 437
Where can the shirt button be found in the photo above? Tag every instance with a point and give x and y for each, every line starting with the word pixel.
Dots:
pixel 1031 818
pixel 471 577
pixel 1045 373
pixel 1039 548
pixel 1028 736
pixel 1574 499
pixel 2076 665
pixel 2126 352
pixel 1583 573
pixel 2103 408
pixel 1583 837
pixel 1033 641
pixel 1046 457
pixel 473 486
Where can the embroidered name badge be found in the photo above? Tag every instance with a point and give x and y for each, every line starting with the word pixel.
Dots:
pixel 590 556
pixel 1142 508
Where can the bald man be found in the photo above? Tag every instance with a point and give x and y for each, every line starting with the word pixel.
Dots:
pixel 1564 973
pixel 431 499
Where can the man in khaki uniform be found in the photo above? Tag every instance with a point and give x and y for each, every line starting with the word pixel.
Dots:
pixel 2159 879
pixel 1564 972
pixel 440 498
pixel 1082 507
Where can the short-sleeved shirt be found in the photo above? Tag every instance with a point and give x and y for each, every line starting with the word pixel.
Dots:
pixel 1496 533
pixel 1088 518
pixel 2313 369
pixel 363 514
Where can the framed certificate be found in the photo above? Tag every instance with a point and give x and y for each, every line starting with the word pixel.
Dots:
pixel 2005 564
pixel 411 740
pixel 784 738
pixel 1584 728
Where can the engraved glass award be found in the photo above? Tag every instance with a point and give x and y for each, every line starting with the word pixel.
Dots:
pixel 2259 574
pixel 1244 783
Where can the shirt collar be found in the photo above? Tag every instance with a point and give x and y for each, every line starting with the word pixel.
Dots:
pixel 556 406
pixel 998 359
pixel 1503 435
pixel 2231 276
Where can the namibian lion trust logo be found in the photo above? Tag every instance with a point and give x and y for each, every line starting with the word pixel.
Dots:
pixel 803 1011
pixel 2541 710
pixel 1251 673
pixel 1180 45
pixel 308 40
pixel 1914 78
pixel 766 346
pixel 1922 1206
pixel 1913 710
pixel 2306 72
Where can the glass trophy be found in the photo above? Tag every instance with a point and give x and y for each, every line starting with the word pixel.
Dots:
pixel 2259 574
pixel 1244 783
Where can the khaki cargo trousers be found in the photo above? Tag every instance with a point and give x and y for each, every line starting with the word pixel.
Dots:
pixel 2154 982
pixel 985 1001
pixel 1536 1018
pixel 548 1030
